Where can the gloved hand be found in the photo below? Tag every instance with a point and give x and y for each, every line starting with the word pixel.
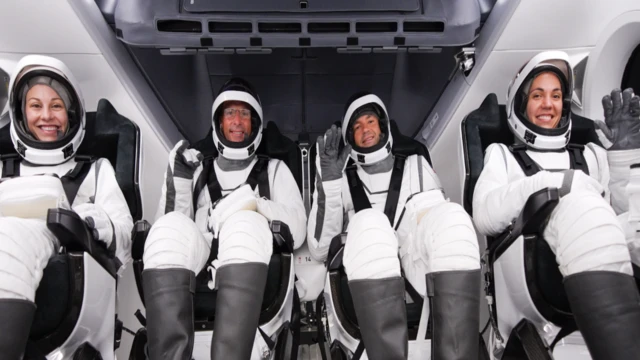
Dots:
pixel 331 160
pixel 183 161
pixel 577 180
pixel 621 123
pixel 98 222
pixel 242 198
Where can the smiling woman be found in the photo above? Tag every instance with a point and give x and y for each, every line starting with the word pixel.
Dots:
pixel 544 104
pixel 46 113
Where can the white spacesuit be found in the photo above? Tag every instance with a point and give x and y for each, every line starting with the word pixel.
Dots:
pixel 44 95
pixel 178 248
pixel 430 235
pixel 583 231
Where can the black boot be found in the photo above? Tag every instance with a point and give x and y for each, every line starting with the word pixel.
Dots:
pixel 382 317
pixel 606 307
pixel 168 295
pixel 238 305
pixel 16 317
pixel 455 314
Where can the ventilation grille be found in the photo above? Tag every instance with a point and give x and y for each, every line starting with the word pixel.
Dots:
pixel 230 27
pixel 333 27
pixel 179 26
pixel 376 27
pixel 424 26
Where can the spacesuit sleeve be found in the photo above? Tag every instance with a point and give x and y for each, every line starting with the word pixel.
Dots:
pixel 286 202
pixel 109 196
pixel 620 162
pixel 177 194
pixel 326 216
pixel 496 200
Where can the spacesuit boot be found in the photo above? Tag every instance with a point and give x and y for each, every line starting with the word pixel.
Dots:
pixel 606 306
pixel 238 305
pixel 455 304
pixel 15 322
pixel 168 295
pixel 382 317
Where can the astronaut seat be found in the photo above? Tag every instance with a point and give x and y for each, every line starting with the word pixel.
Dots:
pixel 530 312
pixel 343 331
pixel 76 299
pixel 278 319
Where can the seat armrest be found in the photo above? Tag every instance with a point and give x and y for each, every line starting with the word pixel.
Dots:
pixel 532 220
pixel 138 238
pixel 334 256
pixel 71 230
pixel 282 238
pixel 74 234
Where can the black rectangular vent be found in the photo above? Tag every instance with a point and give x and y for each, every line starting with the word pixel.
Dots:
pixel 423 26
pixel 330 27
pixel 376 27
pixel 268 27
pixel 230 27
pixel 179 26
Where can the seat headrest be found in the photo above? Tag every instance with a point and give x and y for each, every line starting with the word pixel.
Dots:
pixel 111 136
pixel 488 124
pixel 407 146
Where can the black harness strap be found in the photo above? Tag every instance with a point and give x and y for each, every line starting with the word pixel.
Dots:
pixel 359 197
pixel 527 164
pixel 70 182
pixel 577 160
pixel 259 176
pixel 10 165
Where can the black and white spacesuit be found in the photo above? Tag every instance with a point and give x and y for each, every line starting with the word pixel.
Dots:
pixel 179 242
pixel 583 231
pixel 426 236
pixel 32 184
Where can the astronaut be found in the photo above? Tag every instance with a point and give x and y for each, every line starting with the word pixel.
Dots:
pixel 429 238
pixel 179 242
pixel 47 126
pixel 583 231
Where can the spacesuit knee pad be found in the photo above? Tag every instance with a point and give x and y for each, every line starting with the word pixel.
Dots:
pixel 245 237
pixel 371 250
pixel 25 248
pixel 447 239
pixel 585 235
pixel 174 241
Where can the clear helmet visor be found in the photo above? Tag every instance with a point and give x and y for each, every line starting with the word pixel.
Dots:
pixel 43 99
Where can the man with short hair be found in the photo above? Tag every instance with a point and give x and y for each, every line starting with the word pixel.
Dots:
pixel 433 238
pixel 180 241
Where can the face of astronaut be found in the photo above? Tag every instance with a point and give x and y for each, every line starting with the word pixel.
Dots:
pixel 236 121
pixel 544 103
pixel 366 131
pixel 46 113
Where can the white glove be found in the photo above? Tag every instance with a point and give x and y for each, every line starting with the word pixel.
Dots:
pixel 242 198
pixel 577 181
pixel 98 221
